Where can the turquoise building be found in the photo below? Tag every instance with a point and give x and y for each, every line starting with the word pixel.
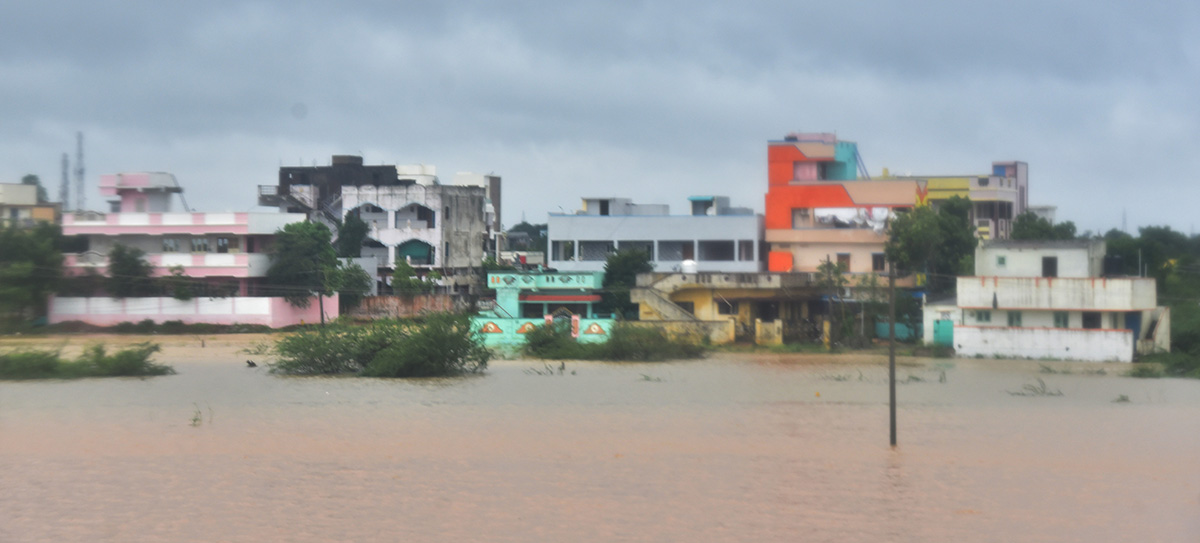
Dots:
pixel 525 301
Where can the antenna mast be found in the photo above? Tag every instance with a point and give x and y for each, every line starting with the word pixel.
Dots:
pixel 79 200
pixel 64 188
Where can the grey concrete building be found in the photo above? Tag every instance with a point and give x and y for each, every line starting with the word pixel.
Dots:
pixel 714 235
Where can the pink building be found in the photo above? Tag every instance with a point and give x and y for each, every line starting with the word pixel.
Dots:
pixel 224 252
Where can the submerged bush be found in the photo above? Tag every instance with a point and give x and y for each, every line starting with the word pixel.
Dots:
pixel 441 345
pixel 1176 364
pixel 627 342
pixel 94 362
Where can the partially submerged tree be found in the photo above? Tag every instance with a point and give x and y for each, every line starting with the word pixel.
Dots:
pixel 406 281
pixel 303 263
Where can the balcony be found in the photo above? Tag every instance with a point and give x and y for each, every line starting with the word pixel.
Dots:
pixel 670 282
pixel 548 281
pixel 194 264
pixel 1057 294
pixel 826 235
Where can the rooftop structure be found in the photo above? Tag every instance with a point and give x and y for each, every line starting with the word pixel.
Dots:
pixel 714 236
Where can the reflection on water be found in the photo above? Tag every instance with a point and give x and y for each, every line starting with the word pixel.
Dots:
pixel 727 449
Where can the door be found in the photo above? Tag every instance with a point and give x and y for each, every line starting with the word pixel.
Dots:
pixel 943 332
pixel 1049 266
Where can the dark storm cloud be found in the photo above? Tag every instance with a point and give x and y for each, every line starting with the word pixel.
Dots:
pixel 651 100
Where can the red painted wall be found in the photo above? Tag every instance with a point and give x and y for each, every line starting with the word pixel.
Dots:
pixel 781 199
pixel 781 159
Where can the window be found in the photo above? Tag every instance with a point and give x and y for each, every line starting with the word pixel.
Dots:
pixel 1049 266
pixel 595 250
pixel 199 245
pixel 1014 318
pixel 690 307
pixel 643 246
pixel 1062 319
pixel 716 250
pixel 983 316
pixel 983 181
pixel 674 251
pixel 746 250
pixel 563 250
pixel 1001 261
pixel 727 308
pixel 800 218
pixel 170 245
pixel 877 262
pixel 1091 320
pixel 222 245
pixel 843 260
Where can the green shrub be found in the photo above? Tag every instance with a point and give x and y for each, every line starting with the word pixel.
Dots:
pixel 441 345
pixel 94 362
pixel 1177 364
pixel 28 365
pixel 134 361
pixel 627 342
pixel 1146 371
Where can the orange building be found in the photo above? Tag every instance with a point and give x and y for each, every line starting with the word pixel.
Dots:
pixel 818 209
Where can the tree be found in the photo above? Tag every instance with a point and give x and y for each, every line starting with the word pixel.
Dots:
pixel 940 243
pixel 30 267
pixel 620 276
pixel 1029 226
pixel 831 280
pixel 303 263
pixel 31 179
pixel 351 234
pixel 406 281
pixel 178 284
pixel 353 284
pixel 129 273
pixel 537 234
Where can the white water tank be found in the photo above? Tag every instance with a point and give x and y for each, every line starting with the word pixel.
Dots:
pixel 688 266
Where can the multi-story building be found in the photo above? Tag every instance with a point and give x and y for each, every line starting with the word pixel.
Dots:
pixel 411 215
pixel 818 210
pixel 996 199
pixel 19 206
pixel 822 206
pixel 714 236
pixel 526 300
pixel 1052 299
pixel 224 255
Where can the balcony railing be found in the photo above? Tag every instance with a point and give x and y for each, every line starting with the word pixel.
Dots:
pixel 1064 294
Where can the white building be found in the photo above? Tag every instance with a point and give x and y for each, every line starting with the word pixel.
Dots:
pixel 1050 299
pixel 717 237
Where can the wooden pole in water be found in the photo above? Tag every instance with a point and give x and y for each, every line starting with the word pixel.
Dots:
pixel 892 350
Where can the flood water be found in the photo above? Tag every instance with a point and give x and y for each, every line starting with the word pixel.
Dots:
pixel 732 448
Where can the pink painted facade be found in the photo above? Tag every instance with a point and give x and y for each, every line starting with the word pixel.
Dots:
pixel 217 249
pixel 273 312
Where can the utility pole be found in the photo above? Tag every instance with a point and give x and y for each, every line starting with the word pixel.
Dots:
pixel 64 188
pixel 892 349
pixel 79 196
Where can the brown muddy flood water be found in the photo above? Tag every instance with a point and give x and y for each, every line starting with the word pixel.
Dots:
pixel 733 448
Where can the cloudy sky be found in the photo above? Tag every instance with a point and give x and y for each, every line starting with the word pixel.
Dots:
pixel 651 100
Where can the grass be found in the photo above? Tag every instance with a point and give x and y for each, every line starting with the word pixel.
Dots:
pixel 1040 389
pixel 94 362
